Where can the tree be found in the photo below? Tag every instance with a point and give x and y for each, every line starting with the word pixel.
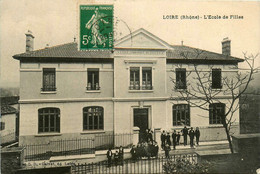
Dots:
pixel 184 165
pixel 199 90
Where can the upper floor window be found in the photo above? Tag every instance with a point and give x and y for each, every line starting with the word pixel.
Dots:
pixel 135 78
pixel 216 111
pixel 93 79
pixel 216 79
pixel 49 79
pixel 147 78
pixel 181 78
pixel 93 118
pixel 141 77
pixel 49 120
pixel 2 125
pixel 181 115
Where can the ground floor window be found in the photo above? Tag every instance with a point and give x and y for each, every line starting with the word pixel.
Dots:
pixel 49 120
pixel 181 115
pixel 216 110
pixel 93 118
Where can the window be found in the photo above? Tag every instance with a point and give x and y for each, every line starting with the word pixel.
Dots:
pixel 147 78
pixel 93 79
pixel 216 79
pixel 49 79
pixel 93 118
pixel 135 78
pixel 49 120
pixel 181 78
pixel 2 125
pixel 181 115
pixel 216 110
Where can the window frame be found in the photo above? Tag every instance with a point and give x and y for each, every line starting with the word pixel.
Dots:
pixel 217 119
pixel 93 84
pixel 90 125
pixel 142 83
pixel 216 82
pixel 181 77
pixel 176 120
pixel 45 86
pixel 145 80
pixel 46 114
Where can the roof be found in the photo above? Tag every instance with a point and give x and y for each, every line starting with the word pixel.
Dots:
pixel 174 52
pixel 181 52
pixel 6 109
pixel 9 100
pixel 68 50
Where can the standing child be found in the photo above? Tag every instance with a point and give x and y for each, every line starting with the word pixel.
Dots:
pixel 178 138
pixel 174 136
pixel 197 134
pixel 109 157
pixel 121 155
pixel 167 150
pixel 116 158
pixel 163 138
pixel 191 134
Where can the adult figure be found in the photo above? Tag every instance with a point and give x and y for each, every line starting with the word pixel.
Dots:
pixel 133 153
pixel 167 150
pixel 121 155
pixel 174 137
pixel 178 138
pixel 146 135
pixel 150 135
pixel 197 134
pixel 109 157
pixel 163 138
pixel 168 139
pixel 191 134
pixel 185 134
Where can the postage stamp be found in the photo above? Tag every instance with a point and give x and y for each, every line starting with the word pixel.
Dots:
pixel 96 27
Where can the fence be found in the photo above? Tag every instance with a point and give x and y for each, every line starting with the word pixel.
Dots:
pixel 58 148
pixel 153 165
pixel 105 141
pixel 76 146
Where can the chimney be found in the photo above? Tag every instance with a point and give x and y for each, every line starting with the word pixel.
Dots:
pixel 226 48
pixel 29 41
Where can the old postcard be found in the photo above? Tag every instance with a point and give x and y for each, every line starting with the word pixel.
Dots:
pixel 96 86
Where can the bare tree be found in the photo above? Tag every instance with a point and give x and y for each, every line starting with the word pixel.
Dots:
pixel 199 91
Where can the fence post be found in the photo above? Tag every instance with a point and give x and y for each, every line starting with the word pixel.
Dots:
pixel 135 135
pixel 157 136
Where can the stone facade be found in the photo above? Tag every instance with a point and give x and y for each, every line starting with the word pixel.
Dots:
pixel 120 103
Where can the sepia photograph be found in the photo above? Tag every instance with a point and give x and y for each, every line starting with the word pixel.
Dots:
pixel 132 87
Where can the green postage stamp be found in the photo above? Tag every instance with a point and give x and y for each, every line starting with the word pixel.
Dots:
pixel 96 27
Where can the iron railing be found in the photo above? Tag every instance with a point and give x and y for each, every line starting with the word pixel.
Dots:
pixel 58 148
pixel 152 165
pixel 65 147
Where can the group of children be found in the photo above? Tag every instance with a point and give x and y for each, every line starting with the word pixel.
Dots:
pixel 149 148
pixel 118 156
pixel 166 137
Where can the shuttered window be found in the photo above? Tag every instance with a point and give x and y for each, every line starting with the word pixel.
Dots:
pixel 49 80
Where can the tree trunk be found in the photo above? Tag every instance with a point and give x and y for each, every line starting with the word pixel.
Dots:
pixel 228 136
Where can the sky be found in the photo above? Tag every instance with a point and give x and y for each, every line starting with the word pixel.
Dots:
pixel 55 22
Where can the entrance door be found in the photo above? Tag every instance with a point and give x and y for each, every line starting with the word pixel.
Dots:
pixel 141 121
